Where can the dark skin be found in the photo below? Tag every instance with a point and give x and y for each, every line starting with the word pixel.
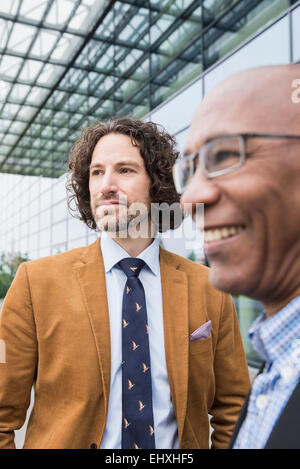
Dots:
pixel 262 196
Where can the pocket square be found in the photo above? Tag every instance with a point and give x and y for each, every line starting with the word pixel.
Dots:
pixel 202 332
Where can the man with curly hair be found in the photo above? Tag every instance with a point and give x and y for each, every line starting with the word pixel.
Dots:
pixel 128 345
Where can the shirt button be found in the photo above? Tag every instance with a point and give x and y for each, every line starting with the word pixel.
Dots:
pixel 261 401
pixel 93 446
pixel 287 373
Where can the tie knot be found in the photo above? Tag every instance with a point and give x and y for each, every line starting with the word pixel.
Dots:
pixel 131 266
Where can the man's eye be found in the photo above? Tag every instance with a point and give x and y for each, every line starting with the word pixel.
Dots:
pixel 223 159
pixel 96 172
pixel 126 170
pixel 223 155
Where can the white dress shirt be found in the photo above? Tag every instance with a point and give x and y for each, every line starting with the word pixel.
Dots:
pixel 165 425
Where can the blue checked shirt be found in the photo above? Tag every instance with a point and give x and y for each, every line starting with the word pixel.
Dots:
pixel 277 341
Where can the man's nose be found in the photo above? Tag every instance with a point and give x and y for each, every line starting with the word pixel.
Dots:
pixel 108 183
pixel 200 190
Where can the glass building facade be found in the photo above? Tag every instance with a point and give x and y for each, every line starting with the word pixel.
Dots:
pixel 66 64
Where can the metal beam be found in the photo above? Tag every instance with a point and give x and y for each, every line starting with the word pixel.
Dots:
pixel 86 40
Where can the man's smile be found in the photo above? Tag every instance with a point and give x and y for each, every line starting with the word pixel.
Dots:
pixel 216 234
pixel 214 238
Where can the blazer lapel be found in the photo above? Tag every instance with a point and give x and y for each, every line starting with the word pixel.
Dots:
pixel 285 434
pixel 175 310
pixel 91 277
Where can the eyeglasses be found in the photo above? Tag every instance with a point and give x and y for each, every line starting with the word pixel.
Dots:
pixel 219 156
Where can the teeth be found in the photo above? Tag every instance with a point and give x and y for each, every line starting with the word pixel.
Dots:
pixel 222 233
pixel 225 232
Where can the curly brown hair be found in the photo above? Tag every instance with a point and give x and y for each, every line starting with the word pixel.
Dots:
pixel 157 148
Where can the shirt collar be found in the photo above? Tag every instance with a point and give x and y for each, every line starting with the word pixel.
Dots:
pixel 272 337
pixel 112 253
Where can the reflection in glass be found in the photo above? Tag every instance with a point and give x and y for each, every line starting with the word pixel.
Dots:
pixel 239 23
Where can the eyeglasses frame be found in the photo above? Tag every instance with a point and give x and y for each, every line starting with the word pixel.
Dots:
pixel 243 154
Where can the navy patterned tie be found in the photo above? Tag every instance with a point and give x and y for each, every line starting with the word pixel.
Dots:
pixel 137 411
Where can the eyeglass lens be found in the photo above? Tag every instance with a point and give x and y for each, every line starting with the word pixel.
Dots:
pixel 184 170
pixel 217 156
pixel 221 154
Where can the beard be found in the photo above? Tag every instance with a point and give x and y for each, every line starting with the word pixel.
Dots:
pixel 110 218
pixel 122 220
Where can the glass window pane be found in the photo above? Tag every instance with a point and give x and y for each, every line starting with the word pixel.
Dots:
pixel 21 38
pixel 9 6
pixel 17 127
pixel 32 9
pixel 10 139
pixel 237 25
pixel 79 19
pixel 131 24
pixel 4 89
pixel 45 238
pixel 65 47
pixel 44 252
pixel 269 48
pixel 36 95
pixel 296 35
pixel 59 211
pixel 76 228
pixel 33 224
pixel 45 199
pixel 26 112
pixel 178 112
pixel 33 242
pixel 10 66
pixel 10 110
pixel 59 232
pixel 106 28
pixel 45 219
pixel 77 243
pixel 59 248
pixel 5 30
pixel 60 12
pixel 44 43
pixel 50 75
pixel 30 70
pixel 59 190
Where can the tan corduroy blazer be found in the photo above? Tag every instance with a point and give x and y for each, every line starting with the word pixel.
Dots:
pixel 55 327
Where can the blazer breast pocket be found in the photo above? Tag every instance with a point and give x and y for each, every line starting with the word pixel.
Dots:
pixel 201 345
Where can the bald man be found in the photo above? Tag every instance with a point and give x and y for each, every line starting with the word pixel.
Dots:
pixel 243 162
